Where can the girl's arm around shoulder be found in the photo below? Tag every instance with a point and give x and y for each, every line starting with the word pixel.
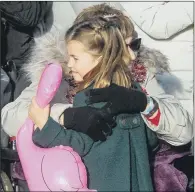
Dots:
pixel 53 134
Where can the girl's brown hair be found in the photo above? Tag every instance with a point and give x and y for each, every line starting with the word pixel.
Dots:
pixel 102 38
pixel 113 14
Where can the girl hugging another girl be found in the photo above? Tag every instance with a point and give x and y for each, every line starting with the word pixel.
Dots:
pixel 114 125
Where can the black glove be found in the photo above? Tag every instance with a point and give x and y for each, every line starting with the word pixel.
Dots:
pixel 119 99
pixel 90 121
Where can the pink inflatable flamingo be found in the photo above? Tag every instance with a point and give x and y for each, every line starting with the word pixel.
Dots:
pixel 49 169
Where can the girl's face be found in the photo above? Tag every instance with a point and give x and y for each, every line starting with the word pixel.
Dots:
pixel 80 62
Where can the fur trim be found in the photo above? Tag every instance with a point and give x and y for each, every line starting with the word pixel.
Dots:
pixel 170 83
pixel 153 60
pixel 48 48
pixel 158 64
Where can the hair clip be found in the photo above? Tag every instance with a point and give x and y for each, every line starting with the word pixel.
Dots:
pixel 109 15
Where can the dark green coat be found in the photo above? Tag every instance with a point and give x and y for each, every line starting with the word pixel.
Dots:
pixel 121 163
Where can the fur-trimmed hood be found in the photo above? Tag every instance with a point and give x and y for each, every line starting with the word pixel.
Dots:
pixel 47 48
pixel 51 47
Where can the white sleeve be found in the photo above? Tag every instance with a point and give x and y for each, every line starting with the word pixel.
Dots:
pixel 160 20
pixel 57 109
pixel 175 124
pixel 15 113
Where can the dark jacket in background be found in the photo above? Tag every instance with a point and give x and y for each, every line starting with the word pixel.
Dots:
pixel 21 21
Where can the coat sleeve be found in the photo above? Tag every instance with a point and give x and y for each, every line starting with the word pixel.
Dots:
pixel 25 13
pixel 14 114
pixel 53 134
pixel 160 20
pixel 175 124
